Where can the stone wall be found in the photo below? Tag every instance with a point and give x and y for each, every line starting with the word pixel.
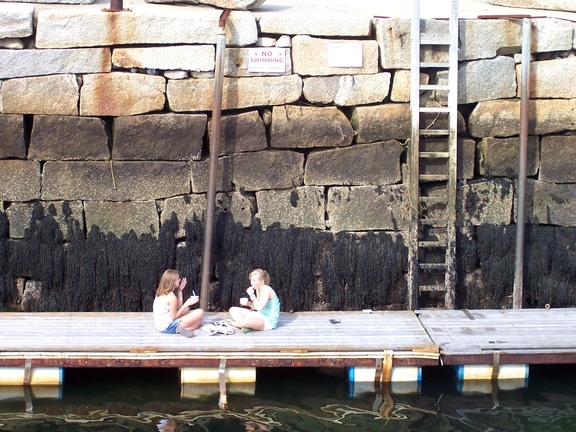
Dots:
pixel 106 121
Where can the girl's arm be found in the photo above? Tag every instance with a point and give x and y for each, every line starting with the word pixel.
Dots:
pixel 178 293
pixel 177 308
pixel 173 302
pixel 259 303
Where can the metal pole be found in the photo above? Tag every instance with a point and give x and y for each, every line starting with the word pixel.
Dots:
pixel 450 276
pixel 413 156
pixel 214 143
pixel 521 200
pixel 116 6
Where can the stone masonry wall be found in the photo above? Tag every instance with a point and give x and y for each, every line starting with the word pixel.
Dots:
pixel 106 118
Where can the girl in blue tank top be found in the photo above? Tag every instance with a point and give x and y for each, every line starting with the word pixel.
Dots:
pixel 261 310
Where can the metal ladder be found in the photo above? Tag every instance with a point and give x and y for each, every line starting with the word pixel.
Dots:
pixel 432 161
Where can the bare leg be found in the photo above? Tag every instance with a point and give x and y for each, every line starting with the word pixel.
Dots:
pixel 192 320
pixel 243 318
pixel 237 314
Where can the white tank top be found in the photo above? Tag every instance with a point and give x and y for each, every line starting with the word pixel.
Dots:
pixel 161 311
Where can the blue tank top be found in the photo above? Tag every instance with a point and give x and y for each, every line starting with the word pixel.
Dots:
pixel 271 311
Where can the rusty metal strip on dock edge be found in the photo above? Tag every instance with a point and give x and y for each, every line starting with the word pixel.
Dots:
pixel 454 359
pixel 255 359
pixel 147 355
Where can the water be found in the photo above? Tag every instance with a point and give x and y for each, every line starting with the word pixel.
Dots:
pixel 303 400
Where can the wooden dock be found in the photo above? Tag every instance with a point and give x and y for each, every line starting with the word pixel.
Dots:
pixel 303 339
pixel 517 336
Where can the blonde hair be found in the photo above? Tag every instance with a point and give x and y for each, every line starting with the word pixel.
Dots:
pixel 166 284
pixel 260 274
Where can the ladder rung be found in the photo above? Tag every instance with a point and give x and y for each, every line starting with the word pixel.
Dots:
pixel 435 39
pixel 442 222
pixel 429 109
pixel 432 267
pixel 434 177
pixel 434 200
pixel 434 87
pixel 432 288
pixel 435 132
pixel 435 65
pixel 434 155
pixel 432 244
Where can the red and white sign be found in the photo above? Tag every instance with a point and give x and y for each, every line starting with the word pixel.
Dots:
pixel 267 60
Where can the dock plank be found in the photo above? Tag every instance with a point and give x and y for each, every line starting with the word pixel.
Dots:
pixel 520 333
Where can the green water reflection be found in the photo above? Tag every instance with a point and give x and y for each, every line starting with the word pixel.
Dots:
pixel 291 400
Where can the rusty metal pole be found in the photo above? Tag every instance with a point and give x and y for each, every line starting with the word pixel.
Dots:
pixel 213 170
pixel 521 184
pixel 116 6
pixel 414 158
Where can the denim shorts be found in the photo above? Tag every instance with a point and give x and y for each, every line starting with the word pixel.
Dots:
pixel 171 329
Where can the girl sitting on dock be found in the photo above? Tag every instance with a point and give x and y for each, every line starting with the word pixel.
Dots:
pixel 263 304
pixel 172 314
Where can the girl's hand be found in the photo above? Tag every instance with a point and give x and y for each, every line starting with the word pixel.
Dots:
pixel 250 291
pixel 183 283
pixel 192 300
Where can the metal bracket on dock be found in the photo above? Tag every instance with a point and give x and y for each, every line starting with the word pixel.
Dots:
pixel 223 402
pixel 384 367
pixel 495 366
pixel 27 379
pixel 495 372
pixel 384 403
pixel 27 372
pixel 387 367
pixel 378 371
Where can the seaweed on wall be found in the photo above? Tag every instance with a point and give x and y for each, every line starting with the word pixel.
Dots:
pixel 101 272
pixel 39 257
pixel 93 272
pixel 8 291
pixel 496 258
pixel 354 270
pixel 369 271
pixel 550 264
pixel 289 256
pixel 188 253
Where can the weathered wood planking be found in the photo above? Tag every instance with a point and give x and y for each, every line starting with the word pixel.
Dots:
pixel 517 335
pixel 526 336
pixel 47 337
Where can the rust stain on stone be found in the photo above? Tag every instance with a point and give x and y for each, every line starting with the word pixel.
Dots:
pixel 112 27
